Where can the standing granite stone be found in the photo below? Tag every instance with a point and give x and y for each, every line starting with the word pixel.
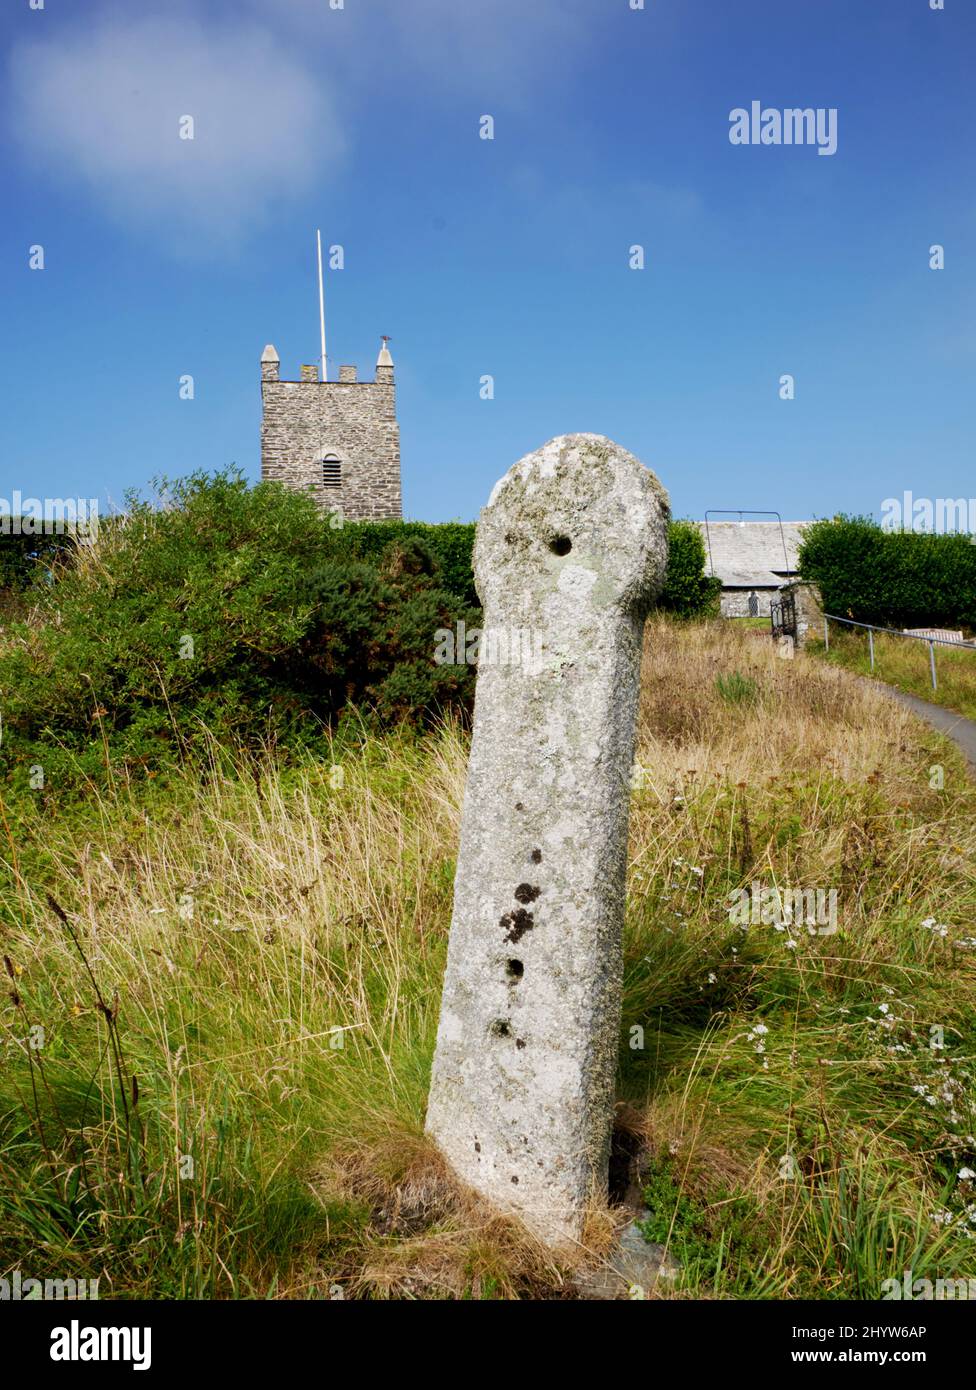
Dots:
pixel 572 548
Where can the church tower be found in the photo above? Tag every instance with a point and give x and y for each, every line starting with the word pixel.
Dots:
pixel 338 440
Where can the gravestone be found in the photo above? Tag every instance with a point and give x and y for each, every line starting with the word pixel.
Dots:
pixel 572 547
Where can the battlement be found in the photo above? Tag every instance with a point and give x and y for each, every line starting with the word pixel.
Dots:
pixel 338 440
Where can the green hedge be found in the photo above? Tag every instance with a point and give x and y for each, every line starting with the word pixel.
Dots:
pixel 687 593
pixel 892 578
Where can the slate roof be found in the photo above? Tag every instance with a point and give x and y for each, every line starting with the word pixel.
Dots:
pixel 751 554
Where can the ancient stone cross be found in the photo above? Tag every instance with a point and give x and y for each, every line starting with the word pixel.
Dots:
pixel 572 547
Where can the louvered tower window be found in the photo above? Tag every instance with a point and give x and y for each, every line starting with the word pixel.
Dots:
pixel 331 471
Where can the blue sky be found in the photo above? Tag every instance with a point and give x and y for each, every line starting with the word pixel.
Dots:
pixel 506 257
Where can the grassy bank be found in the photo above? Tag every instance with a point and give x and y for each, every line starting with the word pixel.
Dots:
pixel 237 976
pixel 903 662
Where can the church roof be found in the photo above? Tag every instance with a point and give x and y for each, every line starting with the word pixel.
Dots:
pixel 757 579
pixel 751 554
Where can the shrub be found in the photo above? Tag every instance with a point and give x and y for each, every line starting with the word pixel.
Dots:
pixel 688 592
pixel 892 578
pixel 227 607
pixel 450 543
pixel 20 554
pixel 22 558
pixel 736 689
pixel 214 606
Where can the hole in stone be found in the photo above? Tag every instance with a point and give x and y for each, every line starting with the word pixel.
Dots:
pixel 514 969
pixel 560 545
pixel 501 1028
pixel 527 893
pixel 515 1181
pixel 536 856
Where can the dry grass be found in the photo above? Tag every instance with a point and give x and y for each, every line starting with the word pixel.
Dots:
pixel 815 781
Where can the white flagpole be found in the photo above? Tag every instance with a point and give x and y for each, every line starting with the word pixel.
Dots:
pixel 325 370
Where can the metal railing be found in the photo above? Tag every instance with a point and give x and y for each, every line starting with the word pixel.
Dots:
pixel 872 628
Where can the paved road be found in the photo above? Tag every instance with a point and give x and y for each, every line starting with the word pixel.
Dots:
pixel 961 730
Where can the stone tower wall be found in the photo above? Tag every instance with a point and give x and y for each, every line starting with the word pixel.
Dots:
pixel 302 421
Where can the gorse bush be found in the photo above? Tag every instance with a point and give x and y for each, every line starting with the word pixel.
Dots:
pixel 450 543
pixel 222 606
pixel 893 578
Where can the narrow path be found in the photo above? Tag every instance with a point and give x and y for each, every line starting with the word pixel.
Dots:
pixel 961 730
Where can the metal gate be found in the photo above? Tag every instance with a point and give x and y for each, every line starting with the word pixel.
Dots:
pixel 782 617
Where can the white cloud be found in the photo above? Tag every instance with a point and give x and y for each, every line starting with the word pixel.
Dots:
pixel 103 105
pixel 273 87
pixel 508 48
pixel 511 44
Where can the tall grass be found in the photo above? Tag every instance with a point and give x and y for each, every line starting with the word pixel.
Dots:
pixel 237 975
